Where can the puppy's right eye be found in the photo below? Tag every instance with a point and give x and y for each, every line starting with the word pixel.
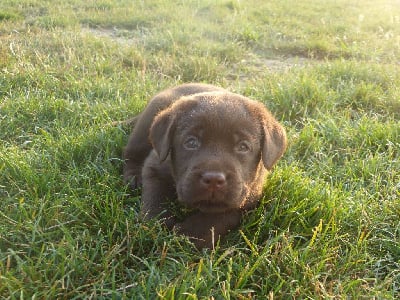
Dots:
pixel 191 143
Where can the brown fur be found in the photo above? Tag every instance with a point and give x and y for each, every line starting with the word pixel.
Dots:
pixel 209 149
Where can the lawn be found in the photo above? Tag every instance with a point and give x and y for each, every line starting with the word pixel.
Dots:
pixel 328 225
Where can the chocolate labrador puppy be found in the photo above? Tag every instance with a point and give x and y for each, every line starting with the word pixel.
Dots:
pixel 209 149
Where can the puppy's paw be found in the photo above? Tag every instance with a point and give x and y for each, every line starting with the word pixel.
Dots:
pixel 169 221
pixel 134 182
pixel 201 237
pixel 205 229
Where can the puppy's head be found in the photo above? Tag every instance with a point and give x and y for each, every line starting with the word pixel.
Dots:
pixel 220 145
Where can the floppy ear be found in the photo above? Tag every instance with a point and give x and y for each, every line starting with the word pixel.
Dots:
pixel 161 133
pixel 163 128
pixel 274 143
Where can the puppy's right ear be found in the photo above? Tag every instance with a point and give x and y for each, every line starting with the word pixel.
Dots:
pixel 161 133
pixel 163 128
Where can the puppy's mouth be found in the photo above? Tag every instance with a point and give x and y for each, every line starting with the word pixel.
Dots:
pixel 214 202
pixel 211 206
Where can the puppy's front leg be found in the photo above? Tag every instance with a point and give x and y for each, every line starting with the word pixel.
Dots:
pixel 204 229
pixel 158 191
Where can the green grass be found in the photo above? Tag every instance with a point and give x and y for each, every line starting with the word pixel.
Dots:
pixel 329 223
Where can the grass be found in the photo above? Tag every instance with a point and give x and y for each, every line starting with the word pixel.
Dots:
pixel 328 224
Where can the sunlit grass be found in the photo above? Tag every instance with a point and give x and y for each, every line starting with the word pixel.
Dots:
pixel 328 224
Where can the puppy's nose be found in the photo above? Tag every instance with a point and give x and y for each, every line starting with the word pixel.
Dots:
pixel 213 180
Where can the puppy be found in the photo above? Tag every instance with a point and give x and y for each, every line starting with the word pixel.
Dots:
pixel 207 148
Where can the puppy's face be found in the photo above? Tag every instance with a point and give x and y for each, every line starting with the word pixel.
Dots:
pixel 215 155
pixel 216 143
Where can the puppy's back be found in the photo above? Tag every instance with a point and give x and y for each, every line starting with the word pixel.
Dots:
pixel 167 97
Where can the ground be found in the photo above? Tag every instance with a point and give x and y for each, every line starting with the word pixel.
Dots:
pixel 328 223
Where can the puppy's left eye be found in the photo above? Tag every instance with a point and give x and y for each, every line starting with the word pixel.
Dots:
pixel 243 147
pixel 191 143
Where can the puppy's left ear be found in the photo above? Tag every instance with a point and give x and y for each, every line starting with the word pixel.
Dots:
pixel 161 132
pixel 274 142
